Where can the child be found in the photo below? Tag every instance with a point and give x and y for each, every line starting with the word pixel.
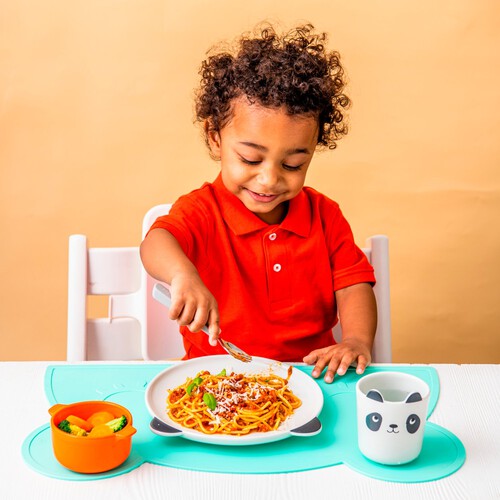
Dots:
pixel 257 256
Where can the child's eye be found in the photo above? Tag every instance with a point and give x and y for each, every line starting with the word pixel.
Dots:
pixel 291 167
pixel 249 162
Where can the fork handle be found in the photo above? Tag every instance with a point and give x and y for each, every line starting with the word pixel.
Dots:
pixel 162 294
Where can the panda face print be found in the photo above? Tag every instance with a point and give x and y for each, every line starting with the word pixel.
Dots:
pixel 374 420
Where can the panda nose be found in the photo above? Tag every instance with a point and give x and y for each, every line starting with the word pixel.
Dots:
pixel 393 426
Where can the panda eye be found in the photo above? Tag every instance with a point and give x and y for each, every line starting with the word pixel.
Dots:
pixel 412 423
pixel 374 421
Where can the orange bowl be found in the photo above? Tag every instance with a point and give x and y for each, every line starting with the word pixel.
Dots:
pixel 90 454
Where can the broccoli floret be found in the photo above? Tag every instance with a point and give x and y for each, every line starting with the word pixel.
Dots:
pixel 73 429
pixel 117 424
pixel 64 426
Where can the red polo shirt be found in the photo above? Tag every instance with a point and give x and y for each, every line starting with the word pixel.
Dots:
pixel 274 284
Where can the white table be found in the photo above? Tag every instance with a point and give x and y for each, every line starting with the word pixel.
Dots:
pixel 468 406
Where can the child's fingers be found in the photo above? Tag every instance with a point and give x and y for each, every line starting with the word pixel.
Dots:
pixel 310 358
pixel 185 316
pixel 175 310
pixel 213 327
pixel 362 364
pixel 323 358
pixel 335 360
pixel 191 316
pixel 351 359
pixel 182 309
pixel 199 320
pixel 344 364
pixel 334 367
pixel 338 365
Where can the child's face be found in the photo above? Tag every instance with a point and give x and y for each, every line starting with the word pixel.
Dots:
pixel 265 154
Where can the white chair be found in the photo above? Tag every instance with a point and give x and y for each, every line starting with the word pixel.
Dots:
pixel 137 326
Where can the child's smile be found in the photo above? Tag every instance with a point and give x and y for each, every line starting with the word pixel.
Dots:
pixel 265 154
pixel 262 197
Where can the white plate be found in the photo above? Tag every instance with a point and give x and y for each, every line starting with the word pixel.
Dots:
pixel 302 385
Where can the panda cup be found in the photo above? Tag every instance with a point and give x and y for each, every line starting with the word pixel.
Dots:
pixel 391 413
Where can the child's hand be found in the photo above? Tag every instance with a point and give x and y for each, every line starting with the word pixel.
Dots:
pixel 337 358
pixel 358 314
pixel 194 306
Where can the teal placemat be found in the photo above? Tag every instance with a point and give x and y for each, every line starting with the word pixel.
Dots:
pixel 442 452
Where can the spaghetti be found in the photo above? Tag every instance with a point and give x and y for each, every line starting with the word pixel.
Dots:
pixel 235 404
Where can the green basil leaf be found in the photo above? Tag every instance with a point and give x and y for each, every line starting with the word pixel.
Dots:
pixel 210 400
pixel 222 373
pixel 195 383
pixel 190 388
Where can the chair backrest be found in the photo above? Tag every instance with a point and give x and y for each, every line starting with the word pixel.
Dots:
pixel 137 326
pixel 103 271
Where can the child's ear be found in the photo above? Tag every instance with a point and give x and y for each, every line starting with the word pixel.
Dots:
pixel 213 139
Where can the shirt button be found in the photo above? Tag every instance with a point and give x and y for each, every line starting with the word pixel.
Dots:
pixel 277 268
pixel 272 236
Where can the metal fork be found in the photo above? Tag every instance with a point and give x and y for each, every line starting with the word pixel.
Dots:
pixel 162 294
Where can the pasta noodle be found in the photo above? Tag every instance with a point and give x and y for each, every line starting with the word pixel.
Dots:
pixel 235 404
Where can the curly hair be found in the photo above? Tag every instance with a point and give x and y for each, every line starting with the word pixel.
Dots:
pixel 293 70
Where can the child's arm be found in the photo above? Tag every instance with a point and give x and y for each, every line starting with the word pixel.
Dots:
pixel 192 303
pixel 358 317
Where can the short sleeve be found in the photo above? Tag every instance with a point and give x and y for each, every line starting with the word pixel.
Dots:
pixel 348 262
pixel 188 222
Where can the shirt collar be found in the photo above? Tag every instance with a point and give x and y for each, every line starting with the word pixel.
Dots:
pixel 241 221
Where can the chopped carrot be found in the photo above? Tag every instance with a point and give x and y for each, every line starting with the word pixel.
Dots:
pixel 100 430
pixel 80 422
pixel 100 417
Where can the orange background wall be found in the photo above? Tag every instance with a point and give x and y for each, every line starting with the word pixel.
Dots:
pixel 96 126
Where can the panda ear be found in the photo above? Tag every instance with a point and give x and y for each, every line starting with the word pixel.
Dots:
pixel 413 397
pixel 375 395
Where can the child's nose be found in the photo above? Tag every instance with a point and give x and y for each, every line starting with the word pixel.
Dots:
pixel 268 175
